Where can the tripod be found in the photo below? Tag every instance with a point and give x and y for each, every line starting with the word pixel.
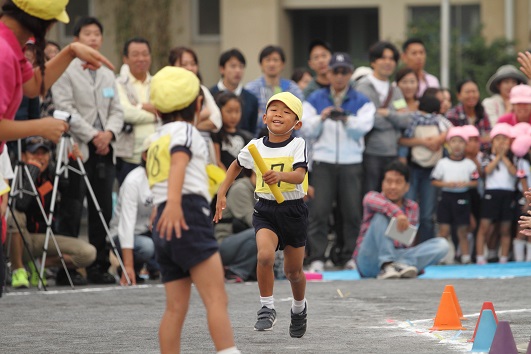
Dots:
pixel 62 168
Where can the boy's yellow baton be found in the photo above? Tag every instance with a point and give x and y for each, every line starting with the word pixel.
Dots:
pixel 263 168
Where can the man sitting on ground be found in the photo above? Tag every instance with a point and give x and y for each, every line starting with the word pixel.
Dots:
pixel 376 254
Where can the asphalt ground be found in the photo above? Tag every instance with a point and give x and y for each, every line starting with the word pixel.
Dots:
pixel 363 316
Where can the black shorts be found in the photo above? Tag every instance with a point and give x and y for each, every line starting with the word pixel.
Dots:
pixel 498 205
pixel 454 208
pixel 177 256
pixel 289 221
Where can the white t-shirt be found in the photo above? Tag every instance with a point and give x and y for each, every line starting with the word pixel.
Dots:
pixel 382 87
pixel 133 210
pixel 286 157
pixel 448 170
pixel 170 138
pixel 500 177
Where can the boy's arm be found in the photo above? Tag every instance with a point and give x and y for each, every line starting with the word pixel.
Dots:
pixel 233 172
pixel 293 177
pixel 172 218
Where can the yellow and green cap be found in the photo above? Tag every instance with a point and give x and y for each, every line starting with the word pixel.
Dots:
pixel 173 89
pixel 44 9
pixel 289 100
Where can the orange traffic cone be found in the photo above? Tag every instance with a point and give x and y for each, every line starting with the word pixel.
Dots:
pixel 446 318
pixel 487 305
pixel 451 290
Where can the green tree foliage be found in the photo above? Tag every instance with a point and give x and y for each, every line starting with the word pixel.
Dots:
pixel 470 57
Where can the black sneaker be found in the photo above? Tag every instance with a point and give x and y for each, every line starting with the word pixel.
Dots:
pixel 101 278
pixel 297 327
pixel 266 319
pixel 62 280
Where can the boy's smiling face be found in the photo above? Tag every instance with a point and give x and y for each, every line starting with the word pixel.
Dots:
pixel 280 119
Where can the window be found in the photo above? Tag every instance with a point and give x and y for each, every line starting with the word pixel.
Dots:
pixel 205 17
pixel 75 9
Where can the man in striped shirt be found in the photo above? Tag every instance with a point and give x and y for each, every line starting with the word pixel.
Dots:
pixel 377 255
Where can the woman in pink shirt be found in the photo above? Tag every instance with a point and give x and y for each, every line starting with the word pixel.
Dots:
pixel 520 98
pixel 20 20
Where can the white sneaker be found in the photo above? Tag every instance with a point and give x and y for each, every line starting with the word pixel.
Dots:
pixel 316 267
pixel 350 265
pixel 406 271
pixel 388 272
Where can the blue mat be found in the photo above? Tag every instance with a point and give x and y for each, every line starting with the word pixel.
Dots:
pixel 471 271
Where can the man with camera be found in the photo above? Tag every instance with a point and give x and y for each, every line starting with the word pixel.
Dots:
pixel 140 117
pixel 92 95
pixel 335 121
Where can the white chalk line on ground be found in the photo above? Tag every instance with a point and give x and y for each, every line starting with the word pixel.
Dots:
pixel 456 339
pixel 84 290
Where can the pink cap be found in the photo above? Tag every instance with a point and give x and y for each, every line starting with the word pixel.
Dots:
pixel 522 128
pixel 457 131
pixel 503 129
pixel 520 146
pixel 471 131
pixel 520 94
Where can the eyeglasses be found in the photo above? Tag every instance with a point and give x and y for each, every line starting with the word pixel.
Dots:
pixel 341 71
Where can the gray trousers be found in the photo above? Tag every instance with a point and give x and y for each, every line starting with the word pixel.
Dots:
pixel 341 184
pixel 238 253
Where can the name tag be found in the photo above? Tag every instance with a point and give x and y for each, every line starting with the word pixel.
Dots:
pixel 108 92
pixel 399 104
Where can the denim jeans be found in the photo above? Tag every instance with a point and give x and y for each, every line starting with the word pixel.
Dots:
pixel 143 250
pixel 377 249
pixel 422 191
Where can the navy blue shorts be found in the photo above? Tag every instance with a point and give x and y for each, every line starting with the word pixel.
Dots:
pixel 289 221
pixel 498 205
pixel 196 244
pixel 454 209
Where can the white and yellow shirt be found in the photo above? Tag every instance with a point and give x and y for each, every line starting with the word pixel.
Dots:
pixel 285 157
pixel 170 138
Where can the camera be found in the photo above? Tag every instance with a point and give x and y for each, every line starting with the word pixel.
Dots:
pixel 336 114
pixel 127 128
pixel 62 115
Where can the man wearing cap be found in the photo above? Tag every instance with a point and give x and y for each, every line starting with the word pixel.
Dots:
pixel 500 85
pixel 131 220
pixel 140 117
pixel 336 120
pixel 91 97
pixel 381 144
pixel 319 53
pixel 76 253
pixel 272 60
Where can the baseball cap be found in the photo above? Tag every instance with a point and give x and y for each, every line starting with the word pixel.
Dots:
pixel 173 89
pixel 520 94
pixel 457 131
pixel 289 100
pixel 470 131
pixel 502 129
pixel 45 9
pixel 33 143
pixel 341 60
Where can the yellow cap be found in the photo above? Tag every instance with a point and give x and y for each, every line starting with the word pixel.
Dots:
pixel 173 89
pixel 45 9
pixel 289 100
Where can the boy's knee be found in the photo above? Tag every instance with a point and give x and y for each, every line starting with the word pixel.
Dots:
pixel 266 259
pixel 294 275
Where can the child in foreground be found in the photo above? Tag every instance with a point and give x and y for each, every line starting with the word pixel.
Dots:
pixel 185 246
pixel 278 226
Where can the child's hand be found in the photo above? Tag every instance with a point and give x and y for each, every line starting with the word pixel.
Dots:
pixel 172 219
pixel 402 223
pixel 271 177
pixel 220 205
pixel 525 222
pixel 526 232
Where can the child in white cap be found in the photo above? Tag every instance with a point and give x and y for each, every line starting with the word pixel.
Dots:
pixel 185 246
pixel 278 226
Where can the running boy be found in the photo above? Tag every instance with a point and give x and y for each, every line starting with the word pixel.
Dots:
pixel 185 246
pixel 278 226
pixel 455 175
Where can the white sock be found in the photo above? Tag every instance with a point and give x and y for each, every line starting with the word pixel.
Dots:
pixel 465 258
pixel 528 250
pixel 504 259
pixel 298 306
pixel 519 249
pixel 268 301
pixel 480 259
pixel 231 350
